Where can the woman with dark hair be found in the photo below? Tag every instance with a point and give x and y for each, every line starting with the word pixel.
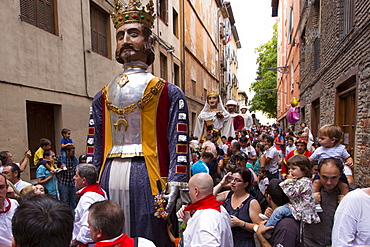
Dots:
pixel 242 207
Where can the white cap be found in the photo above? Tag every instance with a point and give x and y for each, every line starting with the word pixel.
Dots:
pixel 243 107
pixel 231 102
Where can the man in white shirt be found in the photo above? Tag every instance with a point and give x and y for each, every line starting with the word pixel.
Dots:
pixel 106 222
pixel 351 220
pixel 90 192
pixel 13 173
pixel 7 208
pixel 210 225
pixel 272 159
pixel 6 158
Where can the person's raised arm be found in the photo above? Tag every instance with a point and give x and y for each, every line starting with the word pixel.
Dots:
pixel 23 163
pixel 221 196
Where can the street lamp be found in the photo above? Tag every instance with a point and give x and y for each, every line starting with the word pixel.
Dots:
pixel 281 69
pixel 271 90
pixel 274 90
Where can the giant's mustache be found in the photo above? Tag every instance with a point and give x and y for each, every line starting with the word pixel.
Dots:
pixel 126 47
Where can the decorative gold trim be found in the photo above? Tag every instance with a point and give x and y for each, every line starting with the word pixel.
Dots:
pixel 130 108
pixel 125 155
pixel 123 79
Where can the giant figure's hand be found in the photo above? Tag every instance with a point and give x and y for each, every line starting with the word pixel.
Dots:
pixel 171 197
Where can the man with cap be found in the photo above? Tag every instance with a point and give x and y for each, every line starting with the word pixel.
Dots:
pixel 238 120
pixel 248 121
pixel 301 148
pixel 138 133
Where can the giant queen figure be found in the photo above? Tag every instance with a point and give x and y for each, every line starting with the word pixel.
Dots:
pixel 138 130
pixel 214 118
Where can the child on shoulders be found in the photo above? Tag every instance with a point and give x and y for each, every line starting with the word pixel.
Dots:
pixel 298 188
pixel 64 142
pixel 329 138
pixel 45 145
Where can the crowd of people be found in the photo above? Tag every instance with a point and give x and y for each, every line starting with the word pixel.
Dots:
pixel 288 196
pixel 247 181
pixel 301 179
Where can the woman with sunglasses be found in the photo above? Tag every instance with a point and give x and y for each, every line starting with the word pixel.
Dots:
pixel 242 207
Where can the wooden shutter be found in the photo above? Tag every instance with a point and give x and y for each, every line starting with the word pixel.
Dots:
pixel 99 30
pixel 39 13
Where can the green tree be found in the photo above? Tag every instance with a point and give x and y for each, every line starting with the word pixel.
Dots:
pixel 263 100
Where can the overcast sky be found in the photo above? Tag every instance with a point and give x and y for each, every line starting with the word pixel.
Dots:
pixel 254 24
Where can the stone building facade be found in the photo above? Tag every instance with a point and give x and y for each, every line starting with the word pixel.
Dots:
pixel 335 72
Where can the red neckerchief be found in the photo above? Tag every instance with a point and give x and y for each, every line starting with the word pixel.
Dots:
pixel 208 202
pixel 92 188
pixel 123 240
pixel 7 208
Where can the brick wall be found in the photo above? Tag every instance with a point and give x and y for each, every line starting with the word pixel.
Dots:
pixel 338 58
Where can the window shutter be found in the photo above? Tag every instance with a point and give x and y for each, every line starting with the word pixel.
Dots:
pixel 39 13
pixel 99 30
pixel 49 16
pixel 28 11
pixel 102 25
pixel 94 29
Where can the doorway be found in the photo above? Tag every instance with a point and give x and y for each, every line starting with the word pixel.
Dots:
pixel 40 124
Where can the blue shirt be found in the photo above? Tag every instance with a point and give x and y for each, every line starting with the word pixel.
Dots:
pixel 65 141
pixel 50 185
pixel 199 166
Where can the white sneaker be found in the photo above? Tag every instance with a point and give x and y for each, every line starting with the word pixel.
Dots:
pixel 264 217
pixel 64 168
pixel 318 208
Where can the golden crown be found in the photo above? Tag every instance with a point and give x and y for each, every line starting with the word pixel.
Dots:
pixel 212 93
pixel 133 12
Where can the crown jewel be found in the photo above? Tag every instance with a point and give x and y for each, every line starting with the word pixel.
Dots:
pixel 133 12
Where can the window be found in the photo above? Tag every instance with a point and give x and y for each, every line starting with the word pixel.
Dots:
pixel 163 63
pixel 175 23
pixel 99 29
pixel 194 88
pixel 205 93
pixel 315 117
pixel 290 25
pixel 176 71
pixel 162 8
pixel 303 114
pixel 346 16
pixel 39 13
pixel 345 112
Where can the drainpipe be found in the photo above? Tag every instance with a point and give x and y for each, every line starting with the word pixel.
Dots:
pixel 183 47
pixel 84 51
